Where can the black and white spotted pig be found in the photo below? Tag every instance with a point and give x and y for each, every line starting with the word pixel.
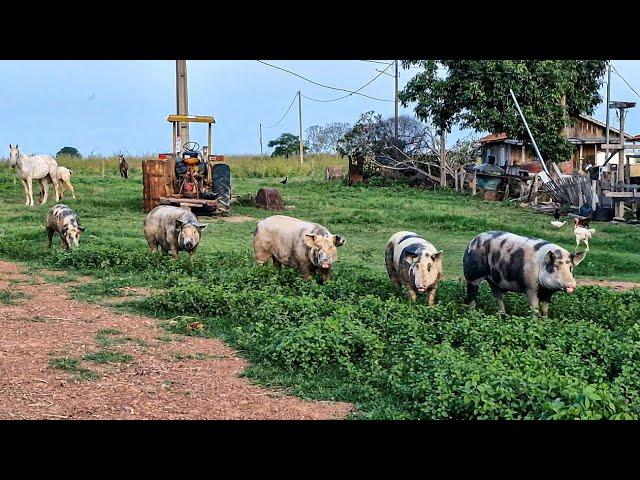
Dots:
pixel 65 222
pixel 172 229
pixel 414 263
pixel 511 263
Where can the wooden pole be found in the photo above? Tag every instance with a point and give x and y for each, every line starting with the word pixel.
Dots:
pixel 182 98
pixel 443 160
pixel 300 120
pixel 261 141
pixel 396 99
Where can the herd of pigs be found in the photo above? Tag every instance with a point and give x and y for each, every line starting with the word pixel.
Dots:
pixel 508 262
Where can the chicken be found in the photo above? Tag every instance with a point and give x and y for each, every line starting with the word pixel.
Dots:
pixel 582 234
pixel 558 224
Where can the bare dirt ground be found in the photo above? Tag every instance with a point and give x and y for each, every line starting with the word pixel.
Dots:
pixel 619 286
pixel 168 376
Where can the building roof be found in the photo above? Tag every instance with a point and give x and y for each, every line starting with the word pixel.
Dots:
pixel 603 125
pixel 502 137
pixel 499 138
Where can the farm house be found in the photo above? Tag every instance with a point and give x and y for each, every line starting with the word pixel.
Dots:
pixel 588 135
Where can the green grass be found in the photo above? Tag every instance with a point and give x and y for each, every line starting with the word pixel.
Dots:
pixel 105 337
pixel 106 356
pixel 355 339
pixel 71 365
pixel 9 297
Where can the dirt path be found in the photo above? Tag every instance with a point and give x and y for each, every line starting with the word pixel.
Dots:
pixel 167 376
pixel 615 285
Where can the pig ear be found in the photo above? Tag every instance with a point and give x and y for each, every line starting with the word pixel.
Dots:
pixel 339 240
pixel 81 228
pixel 309 239
pixel 179 224
pixel 437 255
pixel 577 257
pixel 201 226
pixel 549 258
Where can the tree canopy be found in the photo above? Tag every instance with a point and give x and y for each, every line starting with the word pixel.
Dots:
pixel 285 145
pixel 70 151
pixel 475 94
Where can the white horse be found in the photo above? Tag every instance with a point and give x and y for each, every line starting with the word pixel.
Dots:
pixel 43 168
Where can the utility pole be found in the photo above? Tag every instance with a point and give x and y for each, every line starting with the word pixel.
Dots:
pixel 396 97
pixel 300 119
pixel 182 99
pixel 596 187
pixel 261 140
pixel 443 160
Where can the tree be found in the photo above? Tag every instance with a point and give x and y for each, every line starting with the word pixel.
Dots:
pixel 69 151
pixel 285 145
pixel 333 132
pixel 416 149
pixel 325 139
pixel 475 94
pixel 315 139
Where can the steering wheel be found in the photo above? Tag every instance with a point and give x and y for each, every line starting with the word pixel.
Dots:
pixel 186 146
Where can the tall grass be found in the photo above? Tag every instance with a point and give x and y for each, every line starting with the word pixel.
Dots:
pixel 242 166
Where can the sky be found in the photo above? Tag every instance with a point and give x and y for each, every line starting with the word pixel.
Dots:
pixel 109 107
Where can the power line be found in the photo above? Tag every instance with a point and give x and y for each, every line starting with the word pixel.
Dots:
pixel 376 61
pixel 624 80
pixel 322 85
pixel 285 113
pixel 355 91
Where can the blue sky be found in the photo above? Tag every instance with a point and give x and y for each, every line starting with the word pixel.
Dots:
pixel 108 107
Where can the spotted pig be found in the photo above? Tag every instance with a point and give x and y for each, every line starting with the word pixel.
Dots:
pixel 414 263
pixel 172 228
pixel 511 263
pixel 307 246
pixel 65 222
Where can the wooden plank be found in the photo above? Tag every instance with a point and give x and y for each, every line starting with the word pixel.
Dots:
pixel 616 146
pixel 618 194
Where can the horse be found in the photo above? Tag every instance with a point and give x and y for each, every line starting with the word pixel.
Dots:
pixel 124 167
pixel 43 168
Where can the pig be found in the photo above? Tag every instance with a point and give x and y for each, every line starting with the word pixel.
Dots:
pixel 65 222
pixel 511 263
pixel 174 229
pixel 414 263
pixel 307 246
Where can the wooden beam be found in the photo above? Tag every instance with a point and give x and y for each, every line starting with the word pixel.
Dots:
pixel 616 146
pixel 618 194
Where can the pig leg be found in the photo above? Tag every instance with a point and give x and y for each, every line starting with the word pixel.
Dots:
pixel 544 299
pixel 324 277
pixel 498 294
pixel 174 250
pixel 472 292
pixel 50 233
pixel 305 272
pixel 64 244
pixel 391 269
pixel 276 263
pixel 432 296
pixel 153 245
pixel 411 294
pixel 534 303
